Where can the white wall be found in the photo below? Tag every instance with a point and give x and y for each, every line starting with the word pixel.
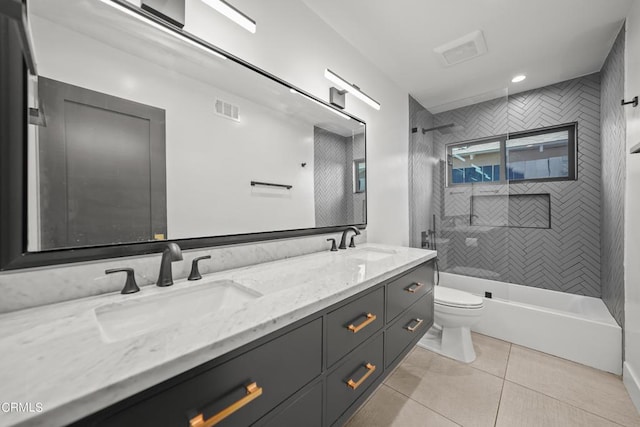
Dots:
pixel 632 210
pixel 209 160
pixel 296 45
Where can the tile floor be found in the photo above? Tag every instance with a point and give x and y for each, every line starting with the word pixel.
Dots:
pixel 506 386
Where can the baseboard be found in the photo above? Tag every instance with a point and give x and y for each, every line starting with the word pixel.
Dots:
pixel 632 383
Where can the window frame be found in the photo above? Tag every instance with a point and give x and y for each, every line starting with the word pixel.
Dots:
pixel 572 143
pixel 356 187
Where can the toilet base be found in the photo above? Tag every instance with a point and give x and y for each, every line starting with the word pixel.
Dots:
pixel 454 343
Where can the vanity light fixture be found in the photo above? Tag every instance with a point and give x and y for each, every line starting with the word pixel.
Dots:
pixel 333 110
pixel 518 78
pixel 337 96
pixel 160 27
pixel 232 13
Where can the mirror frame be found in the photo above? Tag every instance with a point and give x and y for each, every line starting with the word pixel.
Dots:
pixel 14 55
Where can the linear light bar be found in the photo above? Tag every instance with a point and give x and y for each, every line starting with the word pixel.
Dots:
pixel 232 13
pixel 334 111
pixel 354 90
pixel 161 27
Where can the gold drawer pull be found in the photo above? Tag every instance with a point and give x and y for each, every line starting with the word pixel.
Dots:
pixel 253 392
pixel 370 319
pixel 370 370
pixel 414 287
pixel 416 326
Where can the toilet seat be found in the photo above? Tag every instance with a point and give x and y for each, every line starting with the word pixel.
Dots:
pixel 454 298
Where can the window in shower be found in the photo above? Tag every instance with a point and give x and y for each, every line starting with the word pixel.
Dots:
pixel 547 154
pixel 359 176
pixel 542 155
pixel 475 162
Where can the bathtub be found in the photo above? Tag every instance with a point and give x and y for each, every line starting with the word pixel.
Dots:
pixel 573 327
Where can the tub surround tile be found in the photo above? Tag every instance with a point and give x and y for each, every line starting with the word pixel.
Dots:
pixel 441 384
pixel 491 354
pixel 527 408
pixel 48 285
pixel 59 357
pixel 389 408
pixel 592 390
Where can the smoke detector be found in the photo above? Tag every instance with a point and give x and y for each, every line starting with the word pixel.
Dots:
pixel 463 49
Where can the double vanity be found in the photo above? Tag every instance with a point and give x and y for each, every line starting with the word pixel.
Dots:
pixel 300 341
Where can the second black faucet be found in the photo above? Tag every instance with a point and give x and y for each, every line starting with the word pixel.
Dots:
pixel 343 241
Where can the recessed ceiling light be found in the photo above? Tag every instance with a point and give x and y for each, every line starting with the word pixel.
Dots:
pixel 518 79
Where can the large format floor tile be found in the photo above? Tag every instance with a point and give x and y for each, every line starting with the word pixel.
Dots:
pixel 491 354
pixel 461 393
pixel 594 391
pixel 521 407
pixel 389 408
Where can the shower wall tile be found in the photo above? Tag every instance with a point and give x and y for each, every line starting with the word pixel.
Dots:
pixel 613 179
pixel 564 258
pixel 330 157
pixel 421 164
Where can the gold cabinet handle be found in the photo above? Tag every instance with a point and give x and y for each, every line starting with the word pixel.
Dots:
pixel 370 319
pixel 370 370
pixel 253 392
pixel 416 326
pixel 414 287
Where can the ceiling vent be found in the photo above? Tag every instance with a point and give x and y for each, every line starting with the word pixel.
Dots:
pixel 463 49
pixel 227 110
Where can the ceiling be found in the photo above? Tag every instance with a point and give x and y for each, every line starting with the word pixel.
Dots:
pixel 547 40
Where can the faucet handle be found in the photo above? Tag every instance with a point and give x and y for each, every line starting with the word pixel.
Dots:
pixel 333 245
pixel 195 272
pixel 130 286
pixel 352 243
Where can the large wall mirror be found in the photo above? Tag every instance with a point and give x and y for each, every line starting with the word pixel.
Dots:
pixel 139 133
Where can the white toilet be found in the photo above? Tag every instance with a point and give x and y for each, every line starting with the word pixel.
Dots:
pixel 455 312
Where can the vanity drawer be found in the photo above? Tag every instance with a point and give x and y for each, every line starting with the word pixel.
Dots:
pixel 305 410
pixel 351 325
pixel 353 377
pixel 246 387
pixel 409 327
pixel 406 290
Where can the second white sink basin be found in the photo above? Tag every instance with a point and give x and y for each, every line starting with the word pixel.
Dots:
pixel 372 254
pixel 142 315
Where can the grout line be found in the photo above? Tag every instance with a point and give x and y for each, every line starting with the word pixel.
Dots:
pixel 566 403
pixel 495 423
pixel 423 405
pixel 468 364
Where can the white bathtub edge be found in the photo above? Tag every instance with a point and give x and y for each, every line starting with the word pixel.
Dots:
pixel 568 339
pixel 587 338
pixel 632 383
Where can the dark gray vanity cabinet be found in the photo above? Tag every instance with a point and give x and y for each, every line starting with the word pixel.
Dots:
pixel 407 289
pixel 315 372
pixel 350 325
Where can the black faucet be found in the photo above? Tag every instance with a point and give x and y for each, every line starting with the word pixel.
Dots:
pixel 171 253
pixel 343 241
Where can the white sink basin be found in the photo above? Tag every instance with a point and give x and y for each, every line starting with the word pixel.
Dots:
pixel 142 315
pixel 371 254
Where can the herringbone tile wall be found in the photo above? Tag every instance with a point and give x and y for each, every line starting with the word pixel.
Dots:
pixel 335 200
pixel 421 165
pixel 523 211
pixel 565 257
pixel 613 180
pixel 330 156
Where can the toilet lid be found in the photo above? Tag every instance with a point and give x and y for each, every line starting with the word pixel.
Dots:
pixel 456 298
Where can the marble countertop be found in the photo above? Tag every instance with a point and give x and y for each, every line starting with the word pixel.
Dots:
pixel 58 358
